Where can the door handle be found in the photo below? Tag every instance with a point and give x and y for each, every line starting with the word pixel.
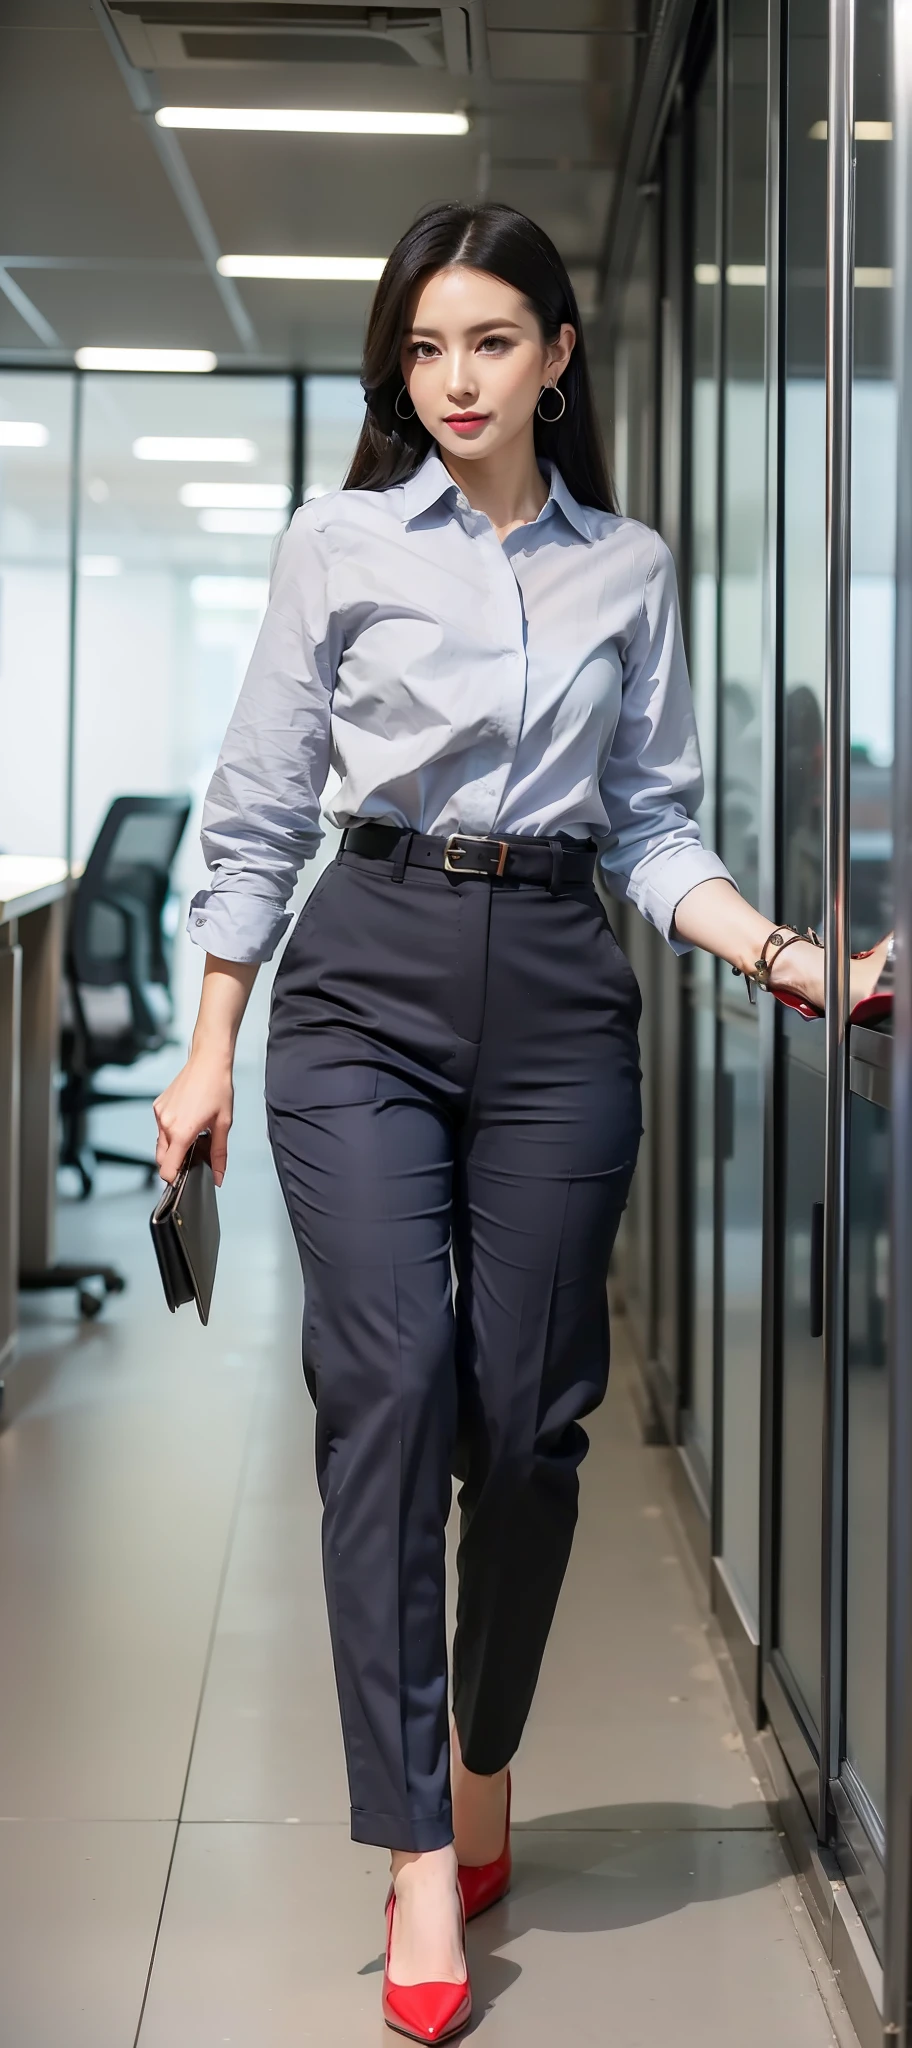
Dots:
pixel 816 1290
pixel 726 1114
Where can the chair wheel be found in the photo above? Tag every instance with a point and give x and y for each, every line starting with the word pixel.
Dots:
pixel 90 1304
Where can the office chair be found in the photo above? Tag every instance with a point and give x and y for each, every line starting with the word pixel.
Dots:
pixel 117 969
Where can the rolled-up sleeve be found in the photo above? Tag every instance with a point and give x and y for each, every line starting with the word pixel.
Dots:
pixel 261 814
pixel 653 783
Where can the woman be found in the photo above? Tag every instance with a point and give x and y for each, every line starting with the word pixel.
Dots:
pixel 491 658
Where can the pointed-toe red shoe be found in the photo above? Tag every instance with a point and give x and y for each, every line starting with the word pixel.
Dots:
pixel 483 1884
pixel 424 2012
pixel 869 1009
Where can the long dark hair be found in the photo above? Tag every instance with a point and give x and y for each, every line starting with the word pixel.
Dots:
pixel 509 246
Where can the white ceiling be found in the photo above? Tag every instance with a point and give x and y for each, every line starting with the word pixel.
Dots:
pixel 111 226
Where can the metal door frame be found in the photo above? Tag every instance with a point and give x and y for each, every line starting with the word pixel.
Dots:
pixel 898 1917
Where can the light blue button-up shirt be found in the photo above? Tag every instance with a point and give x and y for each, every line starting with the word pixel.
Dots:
pixel 458 683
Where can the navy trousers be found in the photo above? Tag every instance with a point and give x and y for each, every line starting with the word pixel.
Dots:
pixel 452 1085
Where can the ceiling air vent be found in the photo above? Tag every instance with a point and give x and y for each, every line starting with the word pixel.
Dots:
pixel 176 35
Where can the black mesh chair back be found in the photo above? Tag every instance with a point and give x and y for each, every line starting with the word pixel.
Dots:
pixel 117 939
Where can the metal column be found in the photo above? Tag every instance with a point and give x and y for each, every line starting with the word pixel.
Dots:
pixel 898 1910
pixel 839 333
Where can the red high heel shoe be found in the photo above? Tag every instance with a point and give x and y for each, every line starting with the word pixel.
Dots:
pixel 424 2012
pixel 482 1884
pixel 868 1010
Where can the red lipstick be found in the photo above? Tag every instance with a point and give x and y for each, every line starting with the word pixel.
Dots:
pixel 465 422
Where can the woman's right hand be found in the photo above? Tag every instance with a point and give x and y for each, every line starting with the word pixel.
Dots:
pixel 200 1098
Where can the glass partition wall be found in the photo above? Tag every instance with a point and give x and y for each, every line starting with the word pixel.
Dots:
pixel 781 1408
pixel 36 446
pixel 139 516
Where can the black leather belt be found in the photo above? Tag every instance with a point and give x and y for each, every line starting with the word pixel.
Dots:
pixel 554 862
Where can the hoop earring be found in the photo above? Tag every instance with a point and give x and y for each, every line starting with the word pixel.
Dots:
pixel 551 418
pixel 403 415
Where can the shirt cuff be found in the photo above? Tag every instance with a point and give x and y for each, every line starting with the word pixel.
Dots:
pixel 660 887
pixel 234 926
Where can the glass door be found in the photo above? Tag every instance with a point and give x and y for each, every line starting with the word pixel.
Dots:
pixel 792 1681
pixel 825 1684
pixel 859 1794
pixel 742 515
pixel 703 292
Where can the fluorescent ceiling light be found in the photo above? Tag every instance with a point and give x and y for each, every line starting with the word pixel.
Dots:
pixel 868 277
pixel 746 273
pixel 23 434
pixel 865 131
pixel 100 565
pixel 736 273
pixel 230 593
pixel 313 120
pixel 236 497
pixel 193 448
pixel 335 269
pixel 192 360
pixel 241 522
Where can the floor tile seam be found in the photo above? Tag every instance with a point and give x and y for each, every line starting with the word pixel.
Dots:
pixel 651 1828
pixel 524 1829
pixel 89 1820
pixel 246 1454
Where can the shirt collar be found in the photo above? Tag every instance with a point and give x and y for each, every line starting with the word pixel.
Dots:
pixel 433 481
pixel 561 495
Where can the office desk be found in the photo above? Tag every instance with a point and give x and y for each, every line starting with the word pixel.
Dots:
pixel 32 899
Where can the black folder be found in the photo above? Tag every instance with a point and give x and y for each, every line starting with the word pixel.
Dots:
pixel 185 1232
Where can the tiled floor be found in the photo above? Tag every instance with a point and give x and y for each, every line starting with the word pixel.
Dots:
pixel 175 1868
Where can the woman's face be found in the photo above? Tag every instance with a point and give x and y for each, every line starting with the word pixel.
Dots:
pixel 474 360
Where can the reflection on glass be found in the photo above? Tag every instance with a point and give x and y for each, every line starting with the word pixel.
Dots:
pixel 334 414
pixel 186 487
pixel 742 1261
pixel 803 1120
pixel 867 1460
pixel 873 500
pixel 804 550
pixel 704 289
pixel 634 378
pixel 803 632
pixel 35 450
pixel 739 779
pixel 744 463
pixel 698 1422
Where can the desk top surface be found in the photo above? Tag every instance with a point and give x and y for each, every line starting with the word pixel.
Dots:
pixel 28 881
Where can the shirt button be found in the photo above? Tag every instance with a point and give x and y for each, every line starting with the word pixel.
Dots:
pixel 199 920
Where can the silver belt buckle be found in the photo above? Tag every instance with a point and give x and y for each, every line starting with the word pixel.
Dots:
pixel 453 853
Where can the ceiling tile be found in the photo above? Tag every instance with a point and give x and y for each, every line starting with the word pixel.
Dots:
pixel 77 172
pixel 571 207
pixel 581 129
pixel 131 309
pixel 616 16
pixel 14 331
pixel 556 57
pixel 44 14
pixel 312 326
pixel 314 195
